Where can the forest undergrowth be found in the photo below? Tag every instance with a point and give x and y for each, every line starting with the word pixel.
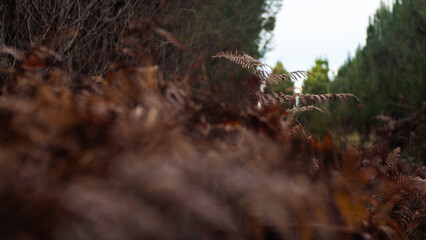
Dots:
pixel 135 155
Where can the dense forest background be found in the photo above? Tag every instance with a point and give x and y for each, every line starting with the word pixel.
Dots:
pixel 87 33
pixel 388 75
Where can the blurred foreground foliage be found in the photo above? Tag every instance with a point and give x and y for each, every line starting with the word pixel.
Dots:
pixel 135 153
pixel 132 155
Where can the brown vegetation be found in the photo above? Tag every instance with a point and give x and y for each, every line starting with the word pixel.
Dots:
pixel 132 156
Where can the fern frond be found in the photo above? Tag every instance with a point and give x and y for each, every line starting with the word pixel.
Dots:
pixel 279 78
pixel 392 160
pixel 245 60
pixel 295 112
pixel 308 99
pixel 262 70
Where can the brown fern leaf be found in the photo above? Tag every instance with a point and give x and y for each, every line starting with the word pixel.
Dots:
pixel 245 60
pixel 295 112
pixel 308 99
pixel 263 71
pixel 392 160
pixel 288 100
pixel 279 78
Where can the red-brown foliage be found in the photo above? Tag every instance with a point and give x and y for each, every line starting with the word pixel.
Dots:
pixel 131 156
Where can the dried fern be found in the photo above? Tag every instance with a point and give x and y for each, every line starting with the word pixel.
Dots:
pixel 392 160
pixel 265 72
pixel 262 70
pixel 307 99
pixel 245 60
pixel 279 78
pixel 295 112
pixel 267 75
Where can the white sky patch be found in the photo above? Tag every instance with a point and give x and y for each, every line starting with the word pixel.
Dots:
pixel 308 29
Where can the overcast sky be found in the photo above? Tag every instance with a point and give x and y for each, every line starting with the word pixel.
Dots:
pixel 309 29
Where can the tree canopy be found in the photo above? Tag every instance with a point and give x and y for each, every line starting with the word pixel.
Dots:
pixel 388 74
pixel 287 86
pixel 319 82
